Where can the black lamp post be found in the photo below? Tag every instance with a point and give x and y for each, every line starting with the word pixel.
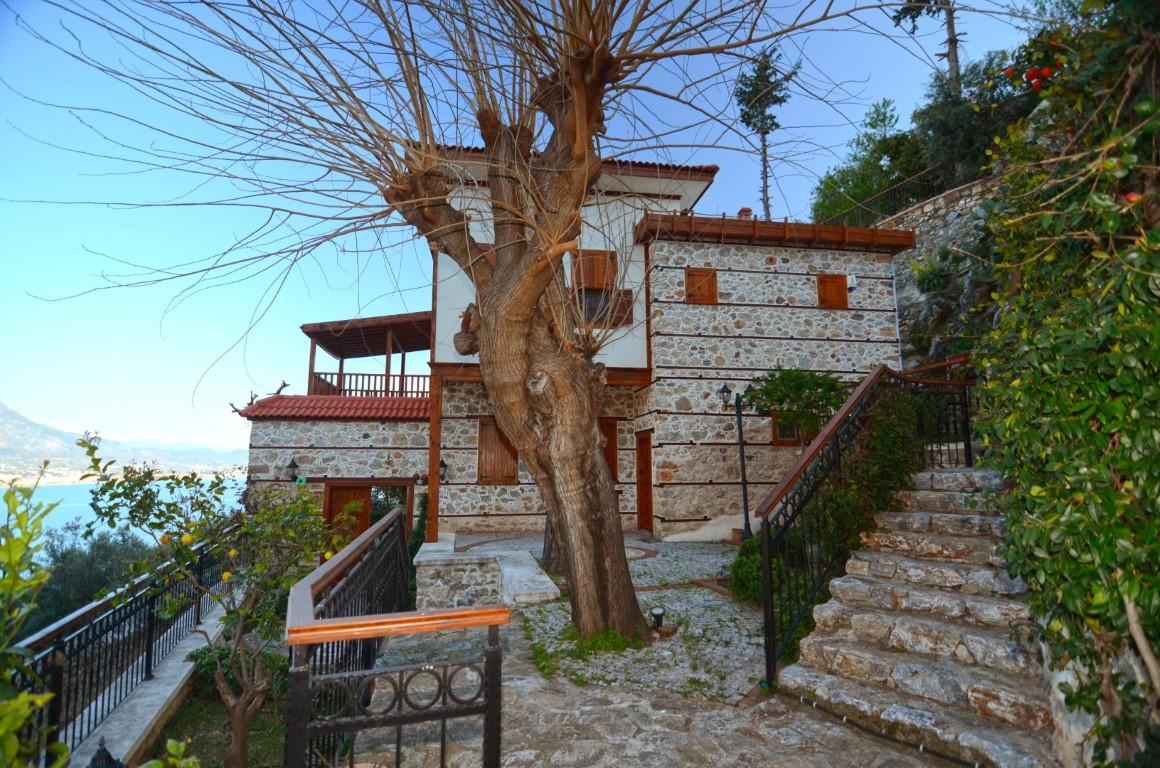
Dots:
pixel 738 401
pixel 442 470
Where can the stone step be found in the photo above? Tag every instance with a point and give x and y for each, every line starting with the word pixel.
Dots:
pixel 954 731
pixel 967 578
pixel 938 523
pixel 969 645
pixel 964 479
pixel 927 546
pixel 1014 698
pixel 944 502
pixel 869 592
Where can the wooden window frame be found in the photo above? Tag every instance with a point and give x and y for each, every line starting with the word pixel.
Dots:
pixel 700 285
pixel 777 438
pixel 608 428
pixel 830 297
pixel 594 276
pixel 510 463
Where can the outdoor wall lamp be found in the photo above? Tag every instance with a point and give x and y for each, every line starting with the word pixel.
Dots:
pixel 442 470
pixel 725 392
pixel 658 617
pixel 292 470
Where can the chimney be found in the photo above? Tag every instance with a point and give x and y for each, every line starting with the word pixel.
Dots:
pixel 745 213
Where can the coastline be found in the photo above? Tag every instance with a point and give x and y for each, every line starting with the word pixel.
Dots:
pixel 50 478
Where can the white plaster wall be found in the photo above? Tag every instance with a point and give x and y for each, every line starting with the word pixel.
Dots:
pixel 608 225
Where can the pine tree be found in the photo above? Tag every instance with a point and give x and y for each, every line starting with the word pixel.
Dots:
pixel 758 91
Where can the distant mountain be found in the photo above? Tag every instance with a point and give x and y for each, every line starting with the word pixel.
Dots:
pixel 25 445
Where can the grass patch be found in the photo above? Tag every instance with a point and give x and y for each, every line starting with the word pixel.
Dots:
pixel 203 721
pixel 608 641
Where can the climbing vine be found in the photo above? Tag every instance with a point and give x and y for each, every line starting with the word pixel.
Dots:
pixel 1071 406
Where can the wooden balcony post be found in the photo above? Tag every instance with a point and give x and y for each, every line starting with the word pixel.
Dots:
pixel 341 381
pixel 310 376
pixel 390 353
pixel 434 433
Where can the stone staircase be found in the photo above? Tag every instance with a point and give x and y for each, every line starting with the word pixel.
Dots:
pixel 921 637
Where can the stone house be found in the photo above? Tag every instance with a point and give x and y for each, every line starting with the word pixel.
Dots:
pixel 689 303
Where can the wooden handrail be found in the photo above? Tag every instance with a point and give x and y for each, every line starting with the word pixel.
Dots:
pixel 951 362
pixel 303 628
pixel 390 624
pixel 774 497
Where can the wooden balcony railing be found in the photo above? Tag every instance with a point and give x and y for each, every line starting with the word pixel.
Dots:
pixel 369 385
pixel 344 707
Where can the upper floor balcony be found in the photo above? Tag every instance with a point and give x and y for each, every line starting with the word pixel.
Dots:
pixel 390 337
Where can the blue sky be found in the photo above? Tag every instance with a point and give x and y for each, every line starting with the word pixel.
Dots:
pixel 136 366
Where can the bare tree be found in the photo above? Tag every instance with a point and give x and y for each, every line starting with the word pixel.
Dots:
pixel 334 120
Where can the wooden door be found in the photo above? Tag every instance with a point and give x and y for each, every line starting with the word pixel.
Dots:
pixel 644 480
pixel 339 496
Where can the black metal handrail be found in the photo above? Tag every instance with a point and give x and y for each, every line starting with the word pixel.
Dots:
pixel 337 620
pixel 802 545
pixel 93 659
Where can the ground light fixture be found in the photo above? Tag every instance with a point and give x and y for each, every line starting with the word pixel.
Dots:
pixel 102 758
pixel 657 614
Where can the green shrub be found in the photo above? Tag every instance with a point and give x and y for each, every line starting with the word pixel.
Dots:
pixel 745 572
pixel 803 400
pixel 208 658
pixel 930 274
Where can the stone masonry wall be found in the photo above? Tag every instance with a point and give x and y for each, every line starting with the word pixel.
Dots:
pixel 766 317
pixel 930 323
pixel 338 449
pixel 466 506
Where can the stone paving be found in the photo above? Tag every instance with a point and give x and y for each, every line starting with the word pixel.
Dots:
pixel 675 703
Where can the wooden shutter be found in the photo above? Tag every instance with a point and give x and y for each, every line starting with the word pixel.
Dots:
pixel 608 430
pixel 497 459
pixel 700 285
pixel 621 311
pixel 593 270
pixel 832 292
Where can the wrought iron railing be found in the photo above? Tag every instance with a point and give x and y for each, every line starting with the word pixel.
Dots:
pixel 369 385
pixel 92 659
pixel 344 708
pixel 803 541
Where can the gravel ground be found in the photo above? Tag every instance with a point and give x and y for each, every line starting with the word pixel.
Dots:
pixel 651 562
pixel 716 653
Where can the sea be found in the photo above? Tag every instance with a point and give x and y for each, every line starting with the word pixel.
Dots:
pixel 74 501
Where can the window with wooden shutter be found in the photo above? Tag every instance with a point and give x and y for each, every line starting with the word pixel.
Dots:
pixel 700 285
pixel 608 430
pixel 497 459
pixel 832 293
pixel 593 270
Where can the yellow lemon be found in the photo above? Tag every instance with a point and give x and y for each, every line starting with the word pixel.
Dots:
pixel 226 575
pixel 328 555
pixel 165 538
pixel 233 553
pixel 187 538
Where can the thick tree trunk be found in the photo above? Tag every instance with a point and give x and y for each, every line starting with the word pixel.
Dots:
pixel 547 403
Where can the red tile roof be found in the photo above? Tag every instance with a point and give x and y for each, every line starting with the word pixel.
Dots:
pixel 337 408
